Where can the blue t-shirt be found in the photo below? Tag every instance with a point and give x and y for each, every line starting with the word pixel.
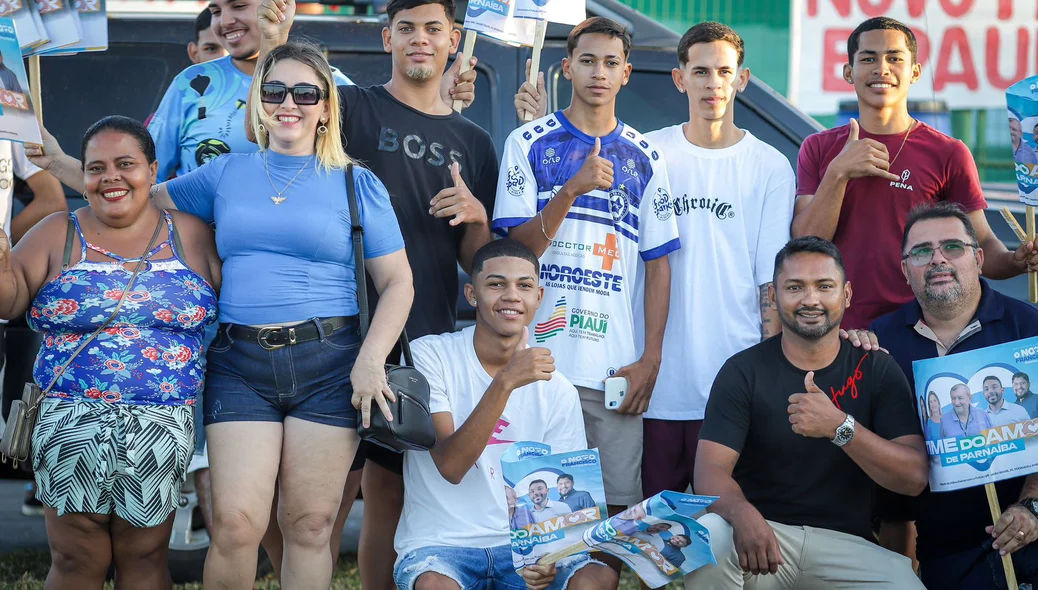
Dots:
pixel 293 261
pixel 202 115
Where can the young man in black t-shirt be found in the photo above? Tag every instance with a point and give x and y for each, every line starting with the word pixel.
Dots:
pixel 798 430
pixel 441 173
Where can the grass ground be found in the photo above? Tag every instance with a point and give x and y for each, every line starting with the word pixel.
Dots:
pixel 26 570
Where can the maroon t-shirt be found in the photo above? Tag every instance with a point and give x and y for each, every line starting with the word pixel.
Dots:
pixel 932 167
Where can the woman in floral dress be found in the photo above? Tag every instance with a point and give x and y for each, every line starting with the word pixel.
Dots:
pixel 116 430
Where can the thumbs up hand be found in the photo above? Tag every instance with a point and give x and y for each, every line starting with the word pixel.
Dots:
pixel 595 174
pixel 862 157
pixel 458 202
pixel 812 414
pixel 527 365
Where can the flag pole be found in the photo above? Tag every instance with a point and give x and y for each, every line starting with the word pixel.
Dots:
pixel 35 93
pixel 535 62
pixel 466 54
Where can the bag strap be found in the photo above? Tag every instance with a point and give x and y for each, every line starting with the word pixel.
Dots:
pixel 111 318
pixel 357 231
pixel 70 234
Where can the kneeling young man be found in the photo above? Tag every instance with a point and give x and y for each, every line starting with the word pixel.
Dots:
pixel 798 431
pixel 488 390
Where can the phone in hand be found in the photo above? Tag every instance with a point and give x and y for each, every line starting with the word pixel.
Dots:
pixel 615 390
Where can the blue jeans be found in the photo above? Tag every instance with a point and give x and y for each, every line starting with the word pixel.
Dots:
pixel 979 568
pixel 309 380
pixel 474 568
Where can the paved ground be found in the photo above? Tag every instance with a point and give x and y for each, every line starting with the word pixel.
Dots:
pixel 22 532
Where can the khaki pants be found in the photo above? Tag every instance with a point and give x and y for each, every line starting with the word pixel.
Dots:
pixel 618 438
pixel 815 559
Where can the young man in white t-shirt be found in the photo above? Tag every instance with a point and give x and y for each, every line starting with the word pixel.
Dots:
pixel 733 201
pixel 590 196
pixel 488 389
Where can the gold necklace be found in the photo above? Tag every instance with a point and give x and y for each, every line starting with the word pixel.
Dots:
pixel 278 199
pixel 903 142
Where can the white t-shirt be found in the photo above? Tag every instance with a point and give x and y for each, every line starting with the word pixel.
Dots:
pixel 12 163
pixel 733 208
pixel 473 513
pixel 590 269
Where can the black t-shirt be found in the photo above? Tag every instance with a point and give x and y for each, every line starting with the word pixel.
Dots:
pixel 790 478
pixel 411 152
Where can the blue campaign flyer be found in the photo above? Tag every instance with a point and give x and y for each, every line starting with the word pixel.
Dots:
pixel 552 499
pixel 17 116
pixel 979 416
pixel 660 538
pixel 1022 102
pixel 496 18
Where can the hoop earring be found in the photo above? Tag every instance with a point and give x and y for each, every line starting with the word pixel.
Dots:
pixel 322 129
pixel 262 129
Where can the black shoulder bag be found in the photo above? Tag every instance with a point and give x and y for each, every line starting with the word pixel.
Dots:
pixel 412 426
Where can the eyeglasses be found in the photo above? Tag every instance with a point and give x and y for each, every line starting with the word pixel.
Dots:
pixel 923 255
pixel 302 94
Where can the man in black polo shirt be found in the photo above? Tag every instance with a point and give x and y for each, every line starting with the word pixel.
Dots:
pixel 798 431
pixel 956 310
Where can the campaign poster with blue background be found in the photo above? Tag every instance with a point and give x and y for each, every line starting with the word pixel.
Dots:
pixel 496 18
pixel 17 118
pixel 660 538
pixel 1022 100
pixel 979 415
pixel 552 499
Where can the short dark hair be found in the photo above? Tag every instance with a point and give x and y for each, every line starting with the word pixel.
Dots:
pixel 938 210
pixel 564 476
pixel 125 125
pixel 538 481
pixel 395 6
pixel 1021 375
pixel 992 378
pixel 203 21
pixel 808 244
pixel 602 26
pixel 881 23
pixel 502 248
pixel 709 32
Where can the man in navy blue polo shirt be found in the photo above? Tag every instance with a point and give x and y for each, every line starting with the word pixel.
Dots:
pixel 956 310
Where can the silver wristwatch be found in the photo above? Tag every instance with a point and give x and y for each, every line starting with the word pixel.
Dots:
pixel 844 432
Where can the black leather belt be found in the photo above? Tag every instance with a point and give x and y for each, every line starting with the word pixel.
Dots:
pixel 274 337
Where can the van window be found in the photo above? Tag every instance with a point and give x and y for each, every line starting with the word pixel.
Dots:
pixel 128 79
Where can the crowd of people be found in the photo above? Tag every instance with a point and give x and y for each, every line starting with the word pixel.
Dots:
pixel 740 382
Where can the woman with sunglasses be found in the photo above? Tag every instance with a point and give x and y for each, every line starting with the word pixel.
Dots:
pixel 288 358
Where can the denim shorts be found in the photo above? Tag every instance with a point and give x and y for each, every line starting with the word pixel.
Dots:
pixel 245 382
pixel 475 568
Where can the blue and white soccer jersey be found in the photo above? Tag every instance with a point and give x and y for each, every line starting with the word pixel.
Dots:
pixel 202 115
pixel 590 269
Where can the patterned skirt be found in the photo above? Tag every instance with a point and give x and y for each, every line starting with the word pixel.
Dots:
pixel 122 459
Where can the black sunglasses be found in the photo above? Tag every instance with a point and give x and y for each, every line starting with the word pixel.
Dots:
pixel 302 94
pixel 923 255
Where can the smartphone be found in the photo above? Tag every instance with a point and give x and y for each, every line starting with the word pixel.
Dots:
pixel 615 390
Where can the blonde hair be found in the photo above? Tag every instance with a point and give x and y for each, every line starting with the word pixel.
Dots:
pixel 331 155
